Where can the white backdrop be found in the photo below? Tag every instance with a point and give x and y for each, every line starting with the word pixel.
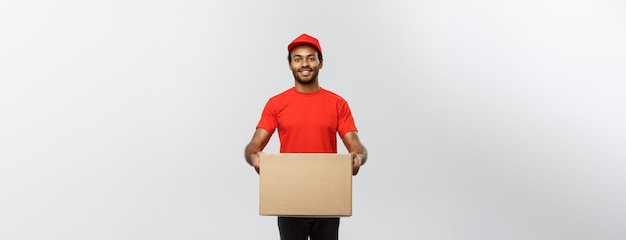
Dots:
pixel 484 119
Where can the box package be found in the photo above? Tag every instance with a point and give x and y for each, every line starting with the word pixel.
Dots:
pixel 305 185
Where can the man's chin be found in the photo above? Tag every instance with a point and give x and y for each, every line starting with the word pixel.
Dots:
pixel 310 79
pixel 305 80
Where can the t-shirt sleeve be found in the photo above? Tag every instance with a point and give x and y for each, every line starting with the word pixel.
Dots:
pixel 346 121
pixel 268 119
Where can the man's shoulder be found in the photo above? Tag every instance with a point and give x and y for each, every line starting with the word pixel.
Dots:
pixel 332 94
pixel 329 92
pixel 283 93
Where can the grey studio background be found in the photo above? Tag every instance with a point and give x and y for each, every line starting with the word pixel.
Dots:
pixel 484 119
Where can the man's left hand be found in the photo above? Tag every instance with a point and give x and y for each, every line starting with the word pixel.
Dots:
pixel 356 163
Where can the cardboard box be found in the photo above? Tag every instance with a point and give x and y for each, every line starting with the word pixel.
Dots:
pixel 303 185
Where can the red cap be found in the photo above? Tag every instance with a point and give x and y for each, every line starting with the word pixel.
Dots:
pixel 307 40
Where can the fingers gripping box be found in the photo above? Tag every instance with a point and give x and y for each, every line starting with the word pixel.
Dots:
pixel 295 184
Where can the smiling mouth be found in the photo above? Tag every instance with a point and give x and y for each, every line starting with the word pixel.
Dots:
pixel 306 72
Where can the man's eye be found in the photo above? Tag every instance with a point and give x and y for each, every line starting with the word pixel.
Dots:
pixel 296 60
pixel 311 59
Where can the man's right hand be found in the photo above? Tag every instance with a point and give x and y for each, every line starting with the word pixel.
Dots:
pixel 254 148
pixel 256 162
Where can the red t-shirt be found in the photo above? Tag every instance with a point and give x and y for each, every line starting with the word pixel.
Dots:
pixel 307 122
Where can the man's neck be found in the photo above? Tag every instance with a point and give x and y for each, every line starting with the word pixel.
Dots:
pixel 307 88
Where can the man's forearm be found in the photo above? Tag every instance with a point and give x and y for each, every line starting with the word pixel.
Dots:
pixel 251 149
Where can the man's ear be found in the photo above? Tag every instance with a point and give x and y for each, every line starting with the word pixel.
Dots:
pixel 321 64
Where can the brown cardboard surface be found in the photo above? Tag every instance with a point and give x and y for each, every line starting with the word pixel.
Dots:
pixel 295 184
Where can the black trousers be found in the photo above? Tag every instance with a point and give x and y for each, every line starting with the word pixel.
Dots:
pixel 293 228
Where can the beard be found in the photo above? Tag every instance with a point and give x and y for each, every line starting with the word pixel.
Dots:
pixel 306 80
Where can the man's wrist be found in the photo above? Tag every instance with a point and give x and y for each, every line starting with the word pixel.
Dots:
pixel 359 158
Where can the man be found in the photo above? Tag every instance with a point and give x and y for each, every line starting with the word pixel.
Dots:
pixel 308 119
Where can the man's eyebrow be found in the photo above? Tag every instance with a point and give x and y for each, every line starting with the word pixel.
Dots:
pixel 310 55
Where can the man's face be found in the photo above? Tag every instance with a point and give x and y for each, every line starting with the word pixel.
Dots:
pixel 305 64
